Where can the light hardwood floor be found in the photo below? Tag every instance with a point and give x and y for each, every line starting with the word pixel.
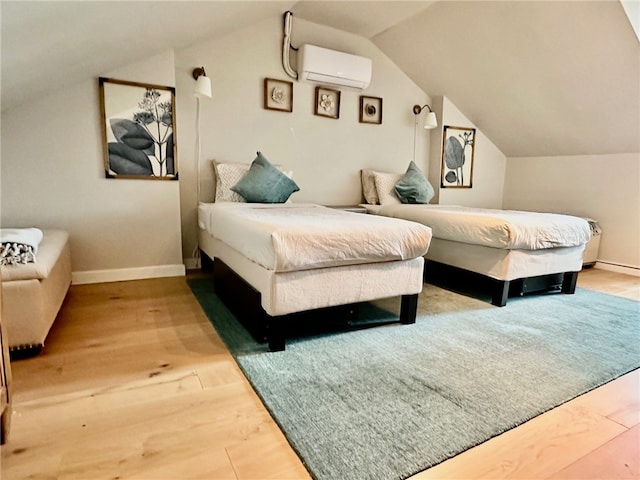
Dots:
pixel 134 383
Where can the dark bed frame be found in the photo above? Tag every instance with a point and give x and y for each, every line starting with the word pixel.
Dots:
pixel 244 302
pixel 453 278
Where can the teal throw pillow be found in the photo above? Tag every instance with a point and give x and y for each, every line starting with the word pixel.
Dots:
pixel 414 187
pixel 264 183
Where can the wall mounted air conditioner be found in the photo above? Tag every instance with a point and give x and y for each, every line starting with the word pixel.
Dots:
pixel 321 65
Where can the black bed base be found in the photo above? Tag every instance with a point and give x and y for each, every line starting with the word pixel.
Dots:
pixel 245 303
pixel 20 352
pixel 454 278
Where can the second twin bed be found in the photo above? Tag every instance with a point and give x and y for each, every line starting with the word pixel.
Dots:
pixel 506 246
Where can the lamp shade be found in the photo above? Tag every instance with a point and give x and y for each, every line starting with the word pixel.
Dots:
pixel 430 121
pixel 203 87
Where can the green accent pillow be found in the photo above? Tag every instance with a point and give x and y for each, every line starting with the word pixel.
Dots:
pixel 264 183
pixel 414 187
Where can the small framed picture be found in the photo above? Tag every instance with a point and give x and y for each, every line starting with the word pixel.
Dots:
pixel 278 95
pixel 370 110
pixel 327 102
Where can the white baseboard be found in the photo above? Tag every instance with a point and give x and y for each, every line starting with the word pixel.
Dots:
pixel 123 274
pixel 612 267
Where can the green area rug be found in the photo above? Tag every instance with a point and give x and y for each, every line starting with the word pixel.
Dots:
pixel 389 401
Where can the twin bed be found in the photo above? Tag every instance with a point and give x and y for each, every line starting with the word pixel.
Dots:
pixel 272 261
pixel 526 250
pixel 298 257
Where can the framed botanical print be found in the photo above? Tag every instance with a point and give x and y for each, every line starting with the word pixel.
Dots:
pixel 370 110
pixel 278 95
pixel 457 157
pixel 327 102
pixel 138 126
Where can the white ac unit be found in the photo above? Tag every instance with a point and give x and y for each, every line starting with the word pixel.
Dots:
pixel 321 65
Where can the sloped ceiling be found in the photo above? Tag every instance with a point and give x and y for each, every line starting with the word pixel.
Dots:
pixel 538 78
pixel 49 45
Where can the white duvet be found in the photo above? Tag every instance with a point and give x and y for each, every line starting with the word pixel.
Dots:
pixel 291 237
pixel 507 229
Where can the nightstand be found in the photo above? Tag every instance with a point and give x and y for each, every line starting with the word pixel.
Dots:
pixel 349 208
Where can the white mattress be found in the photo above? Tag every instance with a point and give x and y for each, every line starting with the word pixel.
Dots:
pixel 288 292
pixel 292 237
pixel 506 229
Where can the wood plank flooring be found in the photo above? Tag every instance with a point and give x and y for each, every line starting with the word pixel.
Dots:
pixel 134 383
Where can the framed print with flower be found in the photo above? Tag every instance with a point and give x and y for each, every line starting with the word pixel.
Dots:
pixel 370 110
pixel 138 126
pixel 457 157
pixel 278 95
pixel 327 102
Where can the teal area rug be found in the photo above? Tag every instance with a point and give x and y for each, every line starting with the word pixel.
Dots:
pixel 390 401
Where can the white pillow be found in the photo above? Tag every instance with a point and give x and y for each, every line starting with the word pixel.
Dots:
pixel 385 186
pixel 227 175
pixel 368 186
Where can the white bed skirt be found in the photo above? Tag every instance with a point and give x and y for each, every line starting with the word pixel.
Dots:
pixel 289 292
pixel 504 264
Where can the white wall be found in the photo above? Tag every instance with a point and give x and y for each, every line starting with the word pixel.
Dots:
pixel 53 177
pixel 52 151
pixel 603 187
pixel 489 163
pixel 326 155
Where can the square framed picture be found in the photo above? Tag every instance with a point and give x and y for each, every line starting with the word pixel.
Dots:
pixel 370 110
pixel 138 127
pixel 278 95
pixel 327 102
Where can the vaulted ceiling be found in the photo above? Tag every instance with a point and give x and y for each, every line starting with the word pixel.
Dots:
pixel 539 78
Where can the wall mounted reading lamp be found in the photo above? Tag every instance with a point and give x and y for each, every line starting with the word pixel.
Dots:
pixel 203 83
pixel 430 121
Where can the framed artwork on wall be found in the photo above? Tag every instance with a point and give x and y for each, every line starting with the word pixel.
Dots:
pixel 327 103
pixel 138 126
pixel 457 157
pixel 370 110
pixel 278 95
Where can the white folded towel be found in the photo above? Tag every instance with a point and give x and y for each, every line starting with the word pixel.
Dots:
pixel 19 245
pixel 25 236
